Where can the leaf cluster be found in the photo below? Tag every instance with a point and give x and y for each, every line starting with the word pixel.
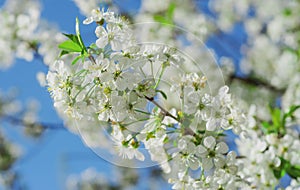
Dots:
pixel 74 44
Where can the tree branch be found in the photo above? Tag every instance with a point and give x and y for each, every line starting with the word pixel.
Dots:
pixel 21 122
pixel 160 107
pixel 256 82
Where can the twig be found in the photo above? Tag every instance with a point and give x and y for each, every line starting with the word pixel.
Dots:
pixel 21 122
pixel 160 107
pixel 256 82
pixel 92 59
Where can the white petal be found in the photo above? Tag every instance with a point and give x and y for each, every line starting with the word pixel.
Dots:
pixel 277 162
pixel 116 45
pixel 191 148
pixel 219 161
pixel 193 163
pixel 201 151
pixel 88 20
pixel 223 90
pixel 100 32
pixel 222 148
pixel 207 163
pixel 139 155
pixel 102 42
pixel 209 142
pixel 166 167
pixel 182 144
pixel 130 153
pixel 211 125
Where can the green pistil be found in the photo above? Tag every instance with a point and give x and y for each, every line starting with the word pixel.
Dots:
pixel 230 121
pixel 117 74
pixel 201 106
pixel 211 154
pixel 135 144
pixel 107 106
pixel 110 36
pixel 125 143
pixel 107 91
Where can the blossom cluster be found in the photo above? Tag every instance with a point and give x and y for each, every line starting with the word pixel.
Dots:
pixel 24 35
pixel 91 179
pixel 122 88
pixel 172 15
pixel 18 23
pixel 272 31
pixel 266 152
pixel 272 57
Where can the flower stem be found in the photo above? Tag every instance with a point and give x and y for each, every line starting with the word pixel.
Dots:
pixel 160 76
pixel 92 59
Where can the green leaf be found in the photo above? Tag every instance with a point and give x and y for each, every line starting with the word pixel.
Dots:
pixel 161 19
pixel 221 135
pixel 72 37
pixel 298 53
pixel 280 171
pixel 285 167
pixel 70 46
pixel 63 52
pixel 150 135
pixel 79 36
pixel 76 59
pixel 266 125
pixel 289 114
pixel 166 140
pixel 162 93
pixel 171 10
pixel 276 117
pixel 175 143
pixel 166 18
pixel 83 57
pixel 93 46
pixel 268 128
pixel 291 111
pixel 293 171
pixel 287 12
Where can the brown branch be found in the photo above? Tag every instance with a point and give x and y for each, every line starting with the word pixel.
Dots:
pixel 160 107
pixel 256 82
pixel 92 59
pixel 21 122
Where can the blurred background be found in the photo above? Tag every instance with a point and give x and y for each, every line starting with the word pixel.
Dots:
pixel 39 152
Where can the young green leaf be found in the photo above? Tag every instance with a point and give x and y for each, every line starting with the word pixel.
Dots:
pixel 73 38
pixel 162 93
pixel 266 125
pixel 79 36
pixel 70 46
pixel 171 10
pixel 76 59
pixel 161 19
pixel 276 117
pixel 291 111
pixel 63 52
pixel 293 171
pixel 280 171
